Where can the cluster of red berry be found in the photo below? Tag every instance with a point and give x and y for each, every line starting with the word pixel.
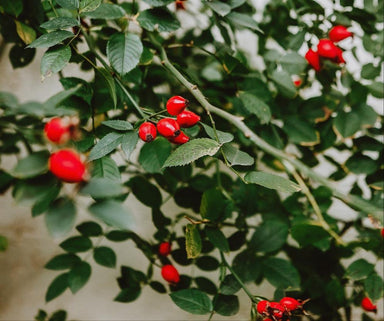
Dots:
pixel 170 127
pixel 168 271
pixel 327 49
pixel 367 305
pixel 273 311
pixel 65 164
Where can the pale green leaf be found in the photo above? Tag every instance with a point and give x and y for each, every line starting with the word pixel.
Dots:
pixel 54 60
pixel 272 181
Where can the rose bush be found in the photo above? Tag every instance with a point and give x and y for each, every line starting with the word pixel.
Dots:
pixel 243 163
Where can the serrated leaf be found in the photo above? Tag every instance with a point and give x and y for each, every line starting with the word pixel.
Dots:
pixel 105 145
pixel 60 23
pixel 243 20
pixel 192 151
pixel 118 124
pixel 26 33
pixel 153 155
pixel 128 143
pixel 272 181
pixel 89 5
pixel 281 273
pixel 101 187
pixel 50 39
pixel 112 213
pixel 57 287
pixel 106 11
pixel 160 19
pixel 193 243
pixel 79 276
pixel 284 83
pixel 110 82
pixel 257 107
pixel 104 256
pixel 192 300
pixel 224 137
pixel 69 4
pixel 31 166
pixel 60 217
pixel 236 156
pixel 55 60
pixel 105 167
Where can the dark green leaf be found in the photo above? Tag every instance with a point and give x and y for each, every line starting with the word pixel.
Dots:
pixel 110 83
pixel 60 23
pixel 236 156
pixel 301 132
pixel 153 155
pixel 374 286
pixel 128 295
pixel 89 5
pixel 59 315
pixel 281 273
pixel 62 262
pixel 230 285
pixel 106 11
pixel 376 89
pixel 269 236
pixel 76 244
pixel 284 83
pixel 104 256
pixel 308 234
pixel 89 229
pixel 256 106
pixel 145 192
pixel 12 7
pixel 226 305
pixel 346 124
pixel 158 18
pixel 359 269
pixel 207 263
pixel 79 276
pixel 217 238
pixel 50 39
pixel 118 124
pixel 247 266
pixel 206 285
pixel 223 136
pixel 60 217
pixel 112 213
pixel 31 166
pixel 105 167
pixel 243 20
pixel 3 243
pixel 105 145
pixel 128 143
pixel 369 71
pixel 294 63
pixel 193 243
pixel 272 181
pixel 212 204
pixel 57 287
pixel 193 301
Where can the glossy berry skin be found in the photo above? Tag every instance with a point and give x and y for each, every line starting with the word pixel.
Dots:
pixel 290 304
pixel 180 139
pixel 67 166
pixel 327 49
pixel 176 105
pixel 147 132
pixel 276 309
pixel 262 306
pixel 187 119
pixel 57 130
pixel 168 127
pixel 367 305
pixel 338 33
pixel 165 248
pixel 170 274
pixel 313 59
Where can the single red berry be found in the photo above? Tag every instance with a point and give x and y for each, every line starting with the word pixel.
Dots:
pixel 170 274
pixel 165 248
pixel 67 166
pixel 367 305
pixel 290 303
pixel 267 319
pixel 176 104
pixel 168 127
pixel 180 139
pixel 187 119
pixel 297 82
pixel 338 33
pixel 382 232
pixel 327 49
pixel 313 59
pixel 147 131
pixel 57 130
pixel 339 57
pixel 262 306
pixel 276 309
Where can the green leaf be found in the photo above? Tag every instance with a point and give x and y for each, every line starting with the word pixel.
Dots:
pixel 272 181
pixel 50 39
pixel 57 99
pixel 76 244
pixel 79 276
pixel 376 89
pixel 12 7
pixel 293 63
pixel 59 315
pixel 236 156
pixel 192 300
pixel 191 151
pixel 373 285
pixel 89 229
pixel 110 83
pixel 124 52
pixel 205 285
pixel 105 145
pixel 193 243
pixel 359 270
pixel 158 3
pixel 281 273
pixel 3 243
pixel 243 20
pixel 60 217
pixel 284 83
pixel 85 91
pixel 69 4
pixel 112 213
pixel 145 192
pixel 308 234
pixel 247 266
pixel 346 124
pixel 256 106
pixel 207 263
pixel 26 33
pixel 54 60
pixel 89 5
pixel 128 143
pixel 217 238
pixel 269 236
pixel 57 287
pixel 104 256
pixel 369 71
pixel 31 166
pixel 212 204
pixel 105 167
pixel 160 19
pixel 62 262
pixel 153 155
pixel 361 164
pixel 301 132
pixel 230 285
pixel 60 23
pixel 219 7
pixel 106 11
pixel 226 305
pixel 129 294
pixel 118 124
pixel 223 136
pixel 102 188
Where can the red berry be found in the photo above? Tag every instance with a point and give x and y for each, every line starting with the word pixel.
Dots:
pixel 168 127
pixel 170 274
pixel 339 57
pixel 313 59
pixel 147 132
pixel 290 303
pixel 57 130
pixel 165 248
pixel 67 166
pixel 327 49
pixel 187 119
pixel 338 33
pixel 382 232
pixel 180 139
pixel 176 104
pixel 180 4
pixel 262 306
pixel 276 309
pixel 367 305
